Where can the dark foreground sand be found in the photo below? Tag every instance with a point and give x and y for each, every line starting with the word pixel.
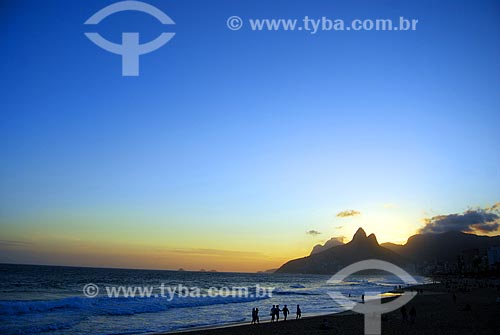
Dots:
pixel 436 314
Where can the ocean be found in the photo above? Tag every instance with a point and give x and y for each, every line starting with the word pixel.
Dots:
pixel 51 300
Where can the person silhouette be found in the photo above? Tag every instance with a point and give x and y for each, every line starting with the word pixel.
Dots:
pixel 298 313
pixel 285 312
pixel 273 313
pixel 257 315
pixel 278 310
pixel 363 298
pixel 253 316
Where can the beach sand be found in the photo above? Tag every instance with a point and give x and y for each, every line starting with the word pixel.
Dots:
pixel 436 314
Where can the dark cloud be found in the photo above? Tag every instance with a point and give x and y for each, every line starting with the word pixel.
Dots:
pixel 473 220
pixel 487 227
pixel 348 213
pixel 313 232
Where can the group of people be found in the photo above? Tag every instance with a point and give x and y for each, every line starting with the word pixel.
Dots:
pixel 275 313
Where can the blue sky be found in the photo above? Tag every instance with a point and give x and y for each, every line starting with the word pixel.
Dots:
pixel 240 131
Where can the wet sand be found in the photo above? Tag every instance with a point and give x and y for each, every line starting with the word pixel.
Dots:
pixel 436 314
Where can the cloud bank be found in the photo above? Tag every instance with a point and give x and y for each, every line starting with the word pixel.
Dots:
pixel 479 220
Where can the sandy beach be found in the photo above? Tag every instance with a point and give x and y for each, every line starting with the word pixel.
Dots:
pixel 437 313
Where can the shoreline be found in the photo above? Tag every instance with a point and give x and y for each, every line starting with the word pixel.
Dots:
pixel 437 313
pixel 245 323
pixel 392 295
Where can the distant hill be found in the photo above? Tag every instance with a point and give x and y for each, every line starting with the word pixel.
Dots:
pixel 442 247
pixel 329 261
pixel 419 249
pixel 333 242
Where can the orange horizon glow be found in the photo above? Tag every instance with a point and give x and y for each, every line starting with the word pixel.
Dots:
pixel 147 242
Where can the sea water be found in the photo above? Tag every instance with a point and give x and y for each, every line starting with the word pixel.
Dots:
pixel 50 299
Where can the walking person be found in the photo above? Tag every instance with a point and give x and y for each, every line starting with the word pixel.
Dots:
pixel 298 313
pixel 257 315
pixel 273 313
pixel 286 311
pixel 253 316
pixel 278 310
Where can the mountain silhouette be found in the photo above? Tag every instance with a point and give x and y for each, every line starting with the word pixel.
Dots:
pixel 331 260
pixel 441 247
pixel 419 249
pixel 333 242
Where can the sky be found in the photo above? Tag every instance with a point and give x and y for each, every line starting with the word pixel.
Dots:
pixel 230 146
